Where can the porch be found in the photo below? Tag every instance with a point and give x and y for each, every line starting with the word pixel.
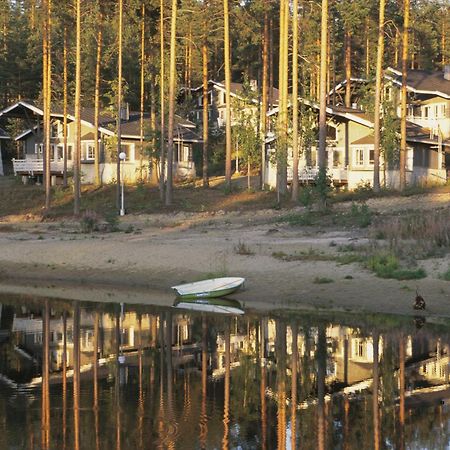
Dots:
pixel 34 167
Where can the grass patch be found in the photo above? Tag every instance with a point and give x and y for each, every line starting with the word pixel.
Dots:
pixel 241 248
pixel 388 266
pixel 322 280
pixel 445 276
pixel 310 255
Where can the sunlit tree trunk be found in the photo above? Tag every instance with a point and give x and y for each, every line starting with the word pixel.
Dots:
pixel 77 152
pixel 172 81
pixel 378 87
pixel 98 63
pixel 141 124
pixel 295 150
pixel 117 383
pixel 348 68
pixel 205 108
pixel 65 101
pixel 119 106
pixel 227 58
pixel 404 95
pixel 162 153
pixel 323 88
pixel 140 384
pixel 264 90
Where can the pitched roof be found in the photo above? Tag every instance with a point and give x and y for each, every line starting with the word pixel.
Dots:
pixel 107 120
pixel 422 81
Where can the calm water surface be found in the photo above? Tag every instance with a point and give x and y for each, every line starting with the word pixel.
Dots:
pixel 168 378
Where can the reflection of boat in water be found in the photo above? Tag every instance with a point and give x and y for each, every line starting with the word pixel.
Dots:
pixel 216 305
pixel 212 288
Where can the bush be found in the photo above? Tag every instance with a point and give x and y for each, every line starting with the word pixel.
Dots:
pixel 362 214
pixel 323 187
pixel 89 221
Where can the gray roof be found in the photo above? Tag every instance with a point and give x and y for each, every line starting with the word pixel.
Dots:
pixel 107 122
pixel 423 81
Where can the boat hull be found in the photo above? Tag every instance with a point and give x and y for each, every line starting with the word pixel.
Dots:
pixel 215 305
pixel 215 288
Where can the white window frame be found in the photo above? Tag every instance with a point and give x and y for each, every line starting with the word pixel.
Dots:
pixel 39 149
pixel 359 151
pixel 409 158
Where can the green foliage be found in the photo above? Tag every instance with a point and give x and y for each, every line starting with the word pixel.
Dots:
pixel 445 275
pixel 362 214
pixel 323 187
pixel 387 265
pixel 390 142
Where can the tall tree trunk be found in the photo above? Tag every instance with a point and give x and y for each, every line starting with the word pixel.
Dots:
pixel 295 150
pixel 98 62
pixel 322 159
pixel 348 69
pixel 367 39
pixel 262 387
pixel 376 408
pixel 64 380
pixel 170 130
pixel 47 62
pixel 77 154
pixel 404 95
pixel 119 107
pixel 283 101
pixel 141 124
pixel 65 101
pixel 227 58
pixel 203 413
pixel 162 157
pixel 205 108
pixel 281 382
pixel 264 93
pixel 378 87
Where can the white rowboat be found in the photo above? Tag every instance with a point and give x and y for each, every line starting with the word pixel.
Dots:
pixel 215 287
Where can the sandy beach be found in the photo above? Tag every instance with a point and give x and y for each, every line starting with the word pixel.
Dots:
pixel 154 252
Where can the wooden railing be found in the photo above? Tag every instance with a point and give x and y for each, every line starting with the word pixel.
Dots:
pixel 36 166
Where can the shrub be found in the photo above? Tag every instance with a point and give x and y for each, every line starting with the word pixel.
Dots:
pixel 446 275
pixel 241 248
pixel 305 196
pixel 362 214
pixel 322 280
pixel 323 187
pixel 89 221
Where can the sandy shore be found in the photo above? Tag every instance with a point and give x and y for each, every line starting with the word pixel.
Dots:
pixel 140 265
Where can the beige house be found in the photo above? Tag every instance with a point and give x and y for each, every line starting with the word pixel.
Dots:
pixel 136 164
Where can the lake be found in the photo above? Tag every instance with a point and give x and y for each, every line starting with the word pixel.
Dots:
pixel 118 376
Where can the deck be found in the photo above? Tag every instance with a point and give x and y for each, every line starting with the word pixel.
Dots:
pixel 36 166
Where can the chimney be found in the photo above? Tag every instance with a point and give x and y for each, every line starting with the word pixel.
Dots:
pixel 447 72
pixel 125 112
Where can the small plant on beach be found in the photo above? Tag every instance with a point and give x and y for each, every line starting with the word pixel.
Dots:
pixel 89 221
pixel 305 196
pixel 322 280
pixel 241 248
pixel 112 221
pixel 323 187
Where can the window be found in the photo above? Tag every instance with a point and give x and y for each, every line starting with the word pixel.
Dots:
pixel 359 157
pixel 426 112
pixel 337 158
pixel 70 152
pixel 331 133
pixel 184 153
pixel 409 158
pixel 371 156
pixel 39 149
pixel 59 152
pixel 128 149
pixel 90 152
